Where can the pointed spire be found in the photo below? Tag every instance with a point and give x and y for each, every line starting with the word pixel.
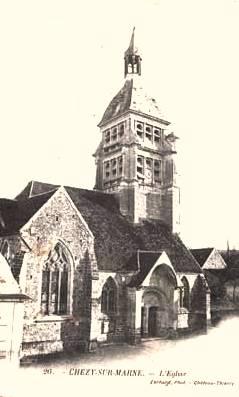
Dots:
pixel 132 58
pixel 131 49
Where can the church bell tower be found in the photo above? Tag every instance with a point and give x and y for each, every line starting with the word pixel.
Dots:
pixel 135 159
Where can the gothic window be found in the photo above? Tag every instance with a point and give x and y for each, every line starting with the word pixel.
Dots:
pixel 63 290
pixel 45 291
pixel 185 293
pixel 55 277
pixel 109 297
pixel 104 300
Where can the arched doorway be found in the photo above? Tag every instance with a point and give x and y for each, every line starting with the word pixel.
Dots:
pixel 158 308
pixel 152 320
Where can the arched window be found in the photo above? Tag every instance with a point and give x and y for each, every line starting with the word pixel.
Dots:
pixel 109 297
pixel 104 300
pixel 185 293
pixel 55 280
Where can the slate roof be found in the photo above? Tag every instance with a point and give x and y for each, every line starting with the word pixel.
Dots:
pixel 231 258
pixel 16 213
pixel 116 240
pixel 132 97
pixel 201 254
pixel 34 188
pixel 145 261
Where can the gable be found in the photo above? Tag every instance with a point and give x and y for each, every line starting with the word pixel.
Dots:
pixel 214 261
pixel 148 261
pixel 201 254
pixel 58 216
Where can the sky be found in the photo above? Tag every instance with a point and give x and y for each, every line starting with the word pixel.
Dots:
pixel 61 64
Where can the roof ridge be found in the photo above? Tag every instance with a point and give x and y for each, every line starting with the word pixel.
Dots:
pixel 40 194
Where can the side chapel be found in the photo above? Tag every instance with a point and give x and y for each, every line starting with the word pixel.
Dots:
pixel 107 265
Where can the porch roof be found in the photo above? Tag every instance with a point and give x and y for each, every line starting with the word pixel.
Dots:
pixel 145 261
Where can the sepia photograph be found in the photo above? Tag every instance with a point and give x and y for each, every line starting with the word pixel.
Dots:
pixel 119 242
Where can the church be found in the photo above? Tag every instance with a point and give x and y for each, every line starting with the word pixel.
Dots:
pixel 107 265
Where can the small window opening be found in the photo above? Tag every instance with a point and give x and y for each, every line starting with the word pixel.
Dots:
pixel 107 136
pixel 140 168
pixel 139 129
pixel 140 160
pixel 157 135
pixel 148 133
pixel 114 134
pixel 157 171
pixel 121 130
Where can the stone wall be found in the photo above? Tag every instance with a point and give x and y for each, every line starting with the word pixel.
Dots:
pixel 58 220
pixel 215 261
pixel 112 327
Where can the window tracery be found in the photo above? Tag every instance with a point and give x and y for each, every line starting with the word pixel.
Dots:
pixel 109 297
pixel 55 277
